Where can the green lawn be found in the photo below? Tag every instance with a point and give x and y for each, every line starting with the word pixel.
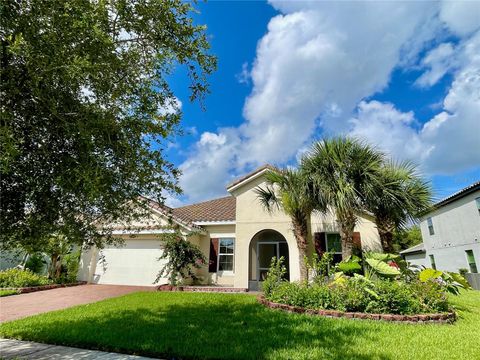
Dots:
pixel 228 326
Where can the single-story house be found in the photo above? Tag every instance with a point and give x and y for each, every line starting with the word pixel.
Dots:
pixel 450 233
pixel 237 235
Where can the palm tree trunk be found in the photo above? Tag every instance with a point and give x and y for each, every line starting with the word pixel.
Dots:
pixel 300 231
pixel 385 231
pixel 347 224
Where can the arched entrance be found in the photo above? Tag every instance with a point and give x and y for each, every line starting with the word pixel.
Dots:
pixel 265 245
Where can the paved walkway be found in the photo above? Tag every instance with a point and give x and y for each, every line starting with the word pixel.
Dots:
pixel 19 306
pixel 16 349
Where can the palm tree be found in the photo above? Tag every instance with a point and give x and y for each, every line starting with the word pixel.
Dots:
pixel 400 196
pixel 288 189
pixel 343 172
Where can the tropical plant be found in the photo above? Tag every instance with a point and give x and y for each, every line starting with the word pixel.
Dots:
pixel 276 274
pixel 397 199
pixel 351 265
pixel 451 281
pixel 321 267
pixel 288 189
pixel 86 109
pixel 182 256
pixel 343 172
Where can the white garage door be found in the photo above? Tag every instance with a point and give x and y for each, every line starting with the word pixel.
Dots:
pixel 135 263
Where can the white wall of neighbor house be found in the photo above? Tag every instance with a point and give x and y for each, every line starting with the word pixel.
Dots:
pixel 417 259
pixel 456 228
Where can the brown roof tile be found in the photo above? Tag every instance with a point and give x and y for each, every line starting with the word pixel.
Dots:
pixel 222 209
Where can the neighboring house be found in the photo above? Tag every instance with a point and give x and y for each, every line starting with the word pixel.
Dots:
pixel 236 234
pixel 451 233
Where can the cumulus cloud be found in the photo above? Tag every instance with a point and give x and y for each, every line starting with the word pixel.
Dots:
pixel 314 68
pixel 438 61
pixel 447 143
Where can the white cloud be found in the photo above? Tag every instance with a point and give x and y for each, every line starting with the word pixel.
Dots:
pixel 243 77
pixel 315 66
pixel 206 171
pixel 450 141
pixel 439 61
pixel 461 17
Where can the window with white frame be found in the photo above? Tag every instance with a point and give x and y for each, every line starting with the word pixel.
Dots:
pixel 431 230
pixel 226 251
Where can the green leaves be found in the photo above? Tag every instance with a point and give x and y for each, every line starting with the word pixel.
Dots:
pixel 429 274
pixel 382 267
pixel 87 110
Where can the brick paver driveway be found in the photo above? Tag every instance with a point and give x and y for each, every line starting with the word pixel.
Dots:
pixel 19 306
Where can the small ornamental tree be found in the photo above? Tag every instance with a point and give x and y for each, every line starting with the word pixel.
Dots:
pixel 182 257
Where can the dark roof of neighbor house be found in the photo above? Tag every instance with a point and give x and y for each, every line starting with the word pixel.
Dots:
pixel 458 195
pixel 250 174
pixel 420 248
pixel 222 209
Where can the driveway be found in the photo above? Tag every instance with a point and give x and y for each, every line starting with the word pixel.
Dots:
pixel 19 306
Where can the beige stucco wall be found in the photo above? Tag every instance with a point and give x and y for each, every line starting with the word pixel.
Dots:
pixel 216 231
pixel 252 218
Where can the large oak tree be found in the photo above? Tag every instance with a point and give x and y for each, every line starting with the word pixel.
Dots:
pixel 86 109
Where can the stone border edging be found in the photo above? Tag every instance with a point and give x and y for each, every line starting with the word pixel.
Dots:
pixel 446 318
pixel 30 289
pixel 214 289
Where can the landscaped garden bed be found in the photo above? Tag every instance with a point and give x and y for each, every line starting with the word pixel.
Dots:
pixel 421 318
pixel 377 287
pixel 18 281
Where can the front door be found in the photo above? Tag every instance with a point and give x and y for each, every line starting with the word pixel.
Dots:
pixel 268 250
pixel 265 252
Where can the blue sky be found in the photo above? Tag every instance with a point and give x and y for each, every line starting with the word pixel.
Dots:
pixel 404 76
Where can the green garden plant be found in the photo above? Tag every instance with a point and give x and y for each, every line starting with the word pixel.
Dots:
pixel 17 278
pixel 182 257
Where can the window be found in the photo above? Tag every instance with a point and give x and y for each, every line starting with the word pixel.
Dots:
pixel 334 246
pixel 471 261
pixel 477 200
pixel 226 249
pixel 432 261
pixel 431 230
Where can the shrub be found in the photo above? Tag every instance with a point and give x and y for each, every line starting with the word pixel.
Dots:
pixel 35 263
pixel 182 258
pixel 8 292
pixel 16 278
pixel 275 276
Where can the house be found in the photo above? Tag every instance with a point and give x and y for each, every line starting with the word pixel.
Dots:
pixel 450 233
pixel 237 235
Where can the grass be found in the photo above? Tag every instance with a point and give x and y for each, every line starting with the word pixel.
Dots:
pixel 8 292
pixel 234 326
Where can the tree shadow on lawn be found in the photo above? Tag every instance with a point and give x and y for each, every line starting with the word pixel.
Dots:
pixel 224 330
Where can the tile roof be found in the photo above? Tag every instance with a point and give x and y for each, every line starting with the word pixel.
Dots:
pixel 222 209
pixel 169 212
pixel 459 194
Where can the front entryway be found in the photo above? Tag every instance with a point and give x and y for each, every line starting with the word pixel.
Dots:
pixel 264 246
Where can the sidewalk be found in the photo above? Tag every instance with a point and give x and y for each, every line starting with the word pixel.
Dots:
pixel 16 349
